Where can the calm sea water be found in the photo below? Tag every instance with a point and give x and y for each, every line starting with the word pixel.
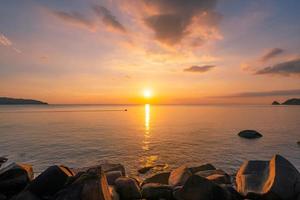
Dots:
pixel 79 136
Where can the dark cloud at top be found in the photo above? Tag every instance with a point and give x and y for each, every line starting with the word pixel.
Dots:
pixel 174 16
pixel 75 18
pixel 199 69
pixel 285 68
pixel 271 54
pixel 108 19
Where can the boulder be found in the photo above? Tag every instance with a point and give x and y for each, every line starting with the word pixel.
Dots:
pixel 200 188
pixel 220 178
pixel 204 167
pixel 249 134
pixel 128 188
pixel 156 191
pixel 50 181
pixel 207 173
pixel 274 179
pixel 162 178
pixel 2 197
pixel 112 176
pixel 85 186
pixel 179 176
pixel 113 193
pixel 105 167
pixel 14 178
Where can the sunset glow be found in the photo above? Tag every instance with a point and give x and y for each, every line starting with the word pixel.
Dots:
pixel 104 52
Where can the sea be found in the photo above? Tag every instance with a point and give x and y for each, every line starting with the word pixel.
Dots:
pixel 147 135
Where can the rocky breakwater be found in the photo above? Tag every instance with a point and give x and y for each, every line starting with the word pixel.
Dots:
pixel 276 179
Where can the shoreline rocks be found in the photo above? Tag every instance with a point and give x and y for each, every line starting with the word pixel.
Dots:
pixel 276 179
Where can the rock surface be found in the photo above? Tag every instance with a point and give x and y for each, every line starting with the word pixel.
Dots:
pixel 199 188
pixel 86 186
pixel 276 178
pixel 128 188
pixel 249 134
pixel 112 176
pixel 155 191
pixel 50 181
pixel 179 176
pixel 14 178
pixel 162 178
pixel 204 167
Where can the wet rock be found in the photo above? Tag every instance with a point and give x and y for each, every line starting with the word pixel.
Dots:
pixel 250 134
pixel 220 178
pixel 156 191
pixel 105 167
pixel 179 176
pixel 276 179
pixel 162 178
pixel 2 160
pixel 112 176
pixel 144 170
pixel 50 181
pixel 86 186
pixel 204 167
pixel 128 188
pixel 207 173
pixel 14 178
pixel 200 188
pixel 113 193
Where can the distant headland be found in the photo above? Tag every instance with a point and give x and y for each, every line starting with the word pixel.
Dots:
pixel 14 101
pixel 288 102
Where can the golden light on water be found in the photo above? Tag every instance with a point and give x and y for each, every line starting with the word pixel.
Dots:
pixel 147 118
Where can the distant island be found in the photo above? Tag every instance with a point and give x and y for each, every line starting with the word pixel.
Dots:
pixel 13 101
pixel 293 101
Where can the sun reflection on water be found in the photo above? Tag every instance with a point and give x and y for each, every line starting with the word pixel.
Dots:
pixel 147 160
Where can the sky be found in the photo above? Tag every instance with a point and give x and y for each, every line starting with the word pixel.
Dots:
pixel 184 51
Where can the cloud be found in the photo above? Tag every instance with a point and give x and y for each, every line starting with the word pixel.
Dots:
pixel 199 69
pixel 108 19
pixel 76 19
pixel 285 68
pixel 295 92
pixel 4 40
pixel 173 20
pixel 271 53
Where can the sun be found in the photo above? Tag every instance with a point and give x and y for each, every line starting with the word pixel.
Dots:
pixel 147 93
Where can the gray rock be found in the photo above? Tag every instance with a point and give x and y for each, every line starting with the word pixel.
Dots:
pixel 112 176
pixel 199 188
pixel 162 178
pixel 128 188
pixel 86 186
pixel 2 160
pixel 50 181
pixel 204 167
pixel 274 179
pixel 250 134
pixel 179 176
pixel 14 178
pixel 156 191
